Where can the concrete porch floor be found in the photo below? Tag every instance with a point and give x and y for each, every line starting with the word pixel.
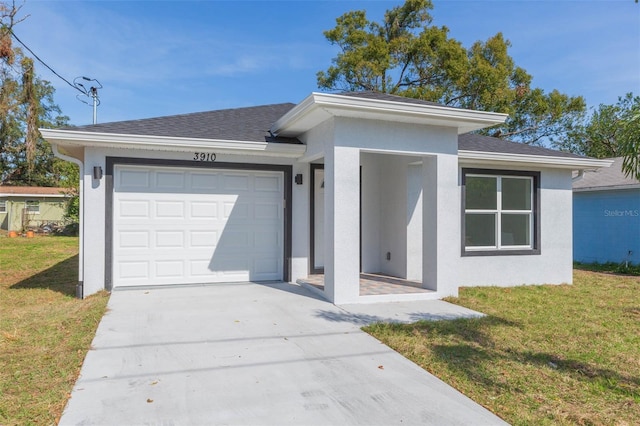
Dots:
pixel 373 284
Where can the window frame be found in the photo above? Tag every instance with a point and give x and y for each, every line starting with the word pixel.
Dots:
pixel 534 225
pixel 3 206
pixel 34 202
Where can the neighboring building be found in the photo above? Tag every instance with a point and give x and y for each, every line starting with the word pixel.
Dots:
pixel 30 207
pixel 339 184
pixel 606 216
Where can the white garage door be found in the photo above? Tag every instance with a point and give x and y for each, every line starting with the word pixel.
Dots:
pixel 186 226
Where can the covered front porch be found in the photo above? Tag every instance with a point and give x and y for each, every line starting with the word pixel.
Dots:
pixel 383 227
pixel 384 194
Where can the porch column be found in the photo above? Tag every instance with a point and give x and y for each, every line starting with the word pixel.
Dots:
pixel 441 224
pixel 342 224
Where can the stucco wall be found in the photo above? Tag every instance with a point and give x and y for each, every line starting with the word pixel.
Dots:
pixel 554 263
pixel 606 226
pixel 371 228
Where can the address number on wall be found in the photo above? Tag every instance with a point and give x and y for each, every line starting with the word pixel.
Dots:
pixel 204 156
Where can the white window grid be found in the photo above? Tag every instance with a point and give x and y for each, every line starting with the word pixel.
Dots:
pixel 499 211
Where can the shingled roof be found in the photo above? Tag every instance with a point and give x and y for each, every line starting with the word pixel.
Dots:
pixel 240 124
pixel 32 191
pixel 252 124
pixel 606 178
pixel 475 142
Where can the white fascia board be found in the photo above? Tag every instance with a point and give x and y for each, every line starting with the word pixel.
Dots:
pixel 500 158
pixel 608 188
pixel 317 107
pixel 166 143
pixel 8 195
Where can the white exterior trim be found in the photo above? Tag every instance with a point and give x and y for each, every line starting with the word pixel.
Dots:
pixel 318 107
pixel 608 188
pixel 34 195
pixel 498 158
pixel 167 143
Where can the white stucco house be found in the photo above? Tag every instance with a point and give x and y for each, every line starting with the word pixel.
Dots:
pixel 338 185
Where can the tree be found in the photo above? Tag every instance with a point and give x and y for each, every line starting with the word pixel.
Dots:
pixel 407 56
pixel 630 143
pixel 26 103
pixel 610 131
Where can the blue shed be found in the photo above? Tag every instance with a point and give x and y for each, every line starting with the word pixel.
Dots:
pixel 606 216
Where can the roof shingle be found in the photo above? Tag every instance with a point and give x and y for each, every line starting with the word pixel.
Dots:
pixel 244 124
pixel 475 142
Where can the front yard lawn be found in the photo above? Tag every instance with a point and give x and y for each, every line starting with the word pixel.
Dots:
pixel 565 354
pixel 45 332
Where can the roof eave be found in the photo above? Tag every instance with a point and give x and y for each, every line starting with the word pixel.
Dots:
pixel 318 107
pixel 35 195
pixel 498 158
pixel 608 188
pixel 70 138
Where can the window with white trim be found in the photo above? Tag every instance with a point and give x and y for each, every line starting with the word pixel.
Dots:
pixel 33 207
pixel 500 212
pixel 3 206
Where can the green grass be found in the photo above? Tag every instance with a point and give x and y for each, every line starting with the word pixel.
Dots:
pixel 543 354
pixel 614 268
pixel 45 332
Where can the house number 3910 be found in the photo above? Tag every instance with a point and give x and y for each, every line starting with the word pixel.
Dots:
pixel 204 156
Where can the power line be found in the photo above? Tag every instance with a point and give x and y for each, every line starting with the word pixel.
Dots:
pixel 43 63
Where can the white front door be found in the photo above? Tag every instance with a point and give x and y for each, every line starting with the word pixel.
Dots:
pixel 186 226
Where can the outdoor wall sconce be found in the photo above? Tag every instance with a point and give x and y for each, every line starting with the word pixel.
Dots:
pixel 97 172
pixel 298 179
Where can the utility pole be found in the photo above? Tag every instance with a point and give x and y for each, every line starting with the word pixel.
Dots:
pixel 91 92
pixel 94 96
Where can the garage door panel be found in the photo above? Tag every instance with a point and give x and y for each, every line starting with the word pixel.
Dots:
pixel 169 181
pixel 169 269
pixel 266 240
pixel 235 182
pixel 137 209
pixel 172 209
pixel 268 266
pixel 174 226
pixel 268 183
pixel 170 239
pixel 203 210
pixel 134 180
pixel 233 240
pixel 264 210
pixel 135 270
pixel 203 239
pixel 133 239
pixel 203 182
pixel 236 209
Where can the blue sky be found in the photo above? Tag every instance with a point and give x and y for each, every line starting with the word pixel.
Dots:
pixel 157 58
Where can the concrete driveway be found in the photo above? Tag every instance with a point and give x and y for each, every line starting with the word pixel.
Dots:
pixel 257 354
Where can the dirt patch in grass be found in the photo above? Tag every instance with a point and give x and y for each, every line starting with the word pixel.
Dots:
pixel 45 332
pixel 543 354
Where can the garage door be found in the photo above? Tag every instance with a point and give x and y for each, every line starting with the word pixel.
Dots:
pixel 187 226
